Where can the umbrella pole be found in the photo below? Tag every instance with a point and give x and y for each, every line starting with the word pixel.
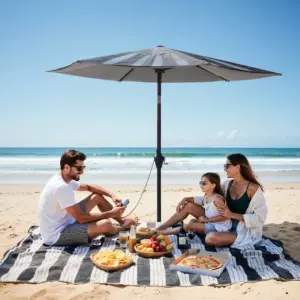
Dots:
pixel 159 159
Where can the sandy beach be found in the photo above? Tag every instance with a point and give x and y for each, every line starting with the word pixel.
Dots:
pixel 117 93
pixel 18 204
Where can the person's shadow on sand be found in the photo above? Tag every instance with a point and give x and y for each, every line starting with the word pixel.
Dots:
pixel 288 233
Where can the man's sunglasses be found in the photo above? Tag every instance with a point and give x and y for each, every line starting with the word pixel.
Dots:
pixel 79 168
pixel 203 182
pixel 226 166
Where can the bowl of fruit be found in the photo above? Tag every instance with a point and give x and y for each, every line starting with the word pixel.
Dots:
pixel 158 245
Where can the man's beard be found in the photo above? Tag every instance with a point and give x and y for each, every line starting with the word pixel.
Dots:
pixel 75 177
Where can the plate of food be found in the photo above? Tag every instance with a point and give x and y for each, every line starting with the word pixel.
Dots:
pixel 158 245
pixel 109 260
pixel 201 262
pixel 144 232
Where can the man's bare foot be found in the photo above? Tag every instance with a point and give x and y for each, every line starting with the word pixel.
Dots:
pixel 127 222
pixel 116 230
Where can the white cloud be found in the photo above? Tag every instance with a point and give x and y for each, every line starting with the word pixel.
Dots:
pixel 220 134
pixel 232 134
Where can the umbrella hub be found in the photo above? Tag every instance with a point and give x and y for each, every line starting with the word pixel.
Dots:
pixel 159 160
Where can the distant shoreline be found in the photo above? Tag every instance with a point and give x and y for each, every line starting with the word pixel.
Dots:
pixel 139 179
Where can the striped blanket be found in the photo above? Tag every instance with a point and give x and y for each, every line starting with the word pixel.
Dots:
pixel 30 261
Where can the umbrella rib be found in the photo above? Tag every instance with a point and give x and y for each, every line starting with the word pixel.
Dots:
pixel 126 74
pixel 213 73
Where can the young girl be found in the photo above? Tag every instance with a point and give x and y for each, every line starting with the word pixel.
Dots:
pixel 204 208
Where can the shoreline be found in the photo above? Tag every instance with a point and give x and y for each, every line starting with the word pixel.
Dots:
pixel 150 187
pixel 140 179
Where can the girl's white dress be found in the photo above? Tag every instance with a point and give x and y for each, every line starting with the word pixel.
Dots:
pixel 211 211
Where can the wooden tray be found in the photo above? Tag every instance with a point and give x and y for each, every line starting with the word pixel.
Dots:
pixel 151 254
pixel 110 268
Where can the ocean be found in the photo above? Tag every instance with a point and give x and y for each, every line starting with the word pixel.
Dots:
pixel 121 165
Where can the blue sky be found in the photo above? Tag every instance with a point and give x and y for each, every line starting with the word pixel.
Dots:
pixel 47 109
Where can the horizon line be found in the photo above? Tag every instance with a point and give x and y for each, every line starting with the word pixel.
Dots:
pixel 154 147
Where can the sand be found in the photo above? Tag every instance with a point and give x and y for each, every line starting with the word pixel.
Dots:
pixel 18 206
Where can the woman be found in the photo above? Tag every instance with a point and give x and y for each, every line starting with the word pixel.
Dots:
pixel 204 207
pixel 246 205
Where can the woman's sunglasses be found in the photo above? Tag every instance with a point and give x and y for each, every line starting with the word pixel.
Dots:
pixel 79 168
pixel 203 182
pixel 226 166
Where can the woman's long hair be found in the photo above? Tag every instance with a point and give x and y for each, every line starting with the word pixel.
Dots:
pixel 246 170
pixel 215 178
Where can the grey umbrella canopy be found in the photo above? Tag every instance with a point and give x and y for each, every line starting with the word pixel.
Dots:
pixel 179 66
pixel 160 64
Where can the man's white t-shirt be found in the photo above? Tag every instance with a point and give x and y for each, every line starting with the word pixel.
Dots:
pixel 53 217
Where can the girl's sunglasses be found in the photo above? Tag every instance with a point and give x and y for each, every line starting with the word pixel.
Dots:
pixel 203 182
pixel 79 168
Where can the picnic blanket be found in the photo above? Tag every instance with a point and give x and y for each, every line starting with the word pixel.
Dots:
pixel 32 262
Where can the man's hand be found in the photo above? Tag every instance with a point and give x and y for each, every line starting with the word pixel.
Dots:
pixel 116 200
pixel 117 211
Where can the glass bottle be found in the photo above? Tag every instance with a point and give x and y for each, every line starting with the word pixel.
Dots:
pixel 132 239
pixel 182 239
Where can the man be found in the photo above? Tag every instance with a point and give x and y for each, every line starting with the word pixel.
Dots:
pixel 65 222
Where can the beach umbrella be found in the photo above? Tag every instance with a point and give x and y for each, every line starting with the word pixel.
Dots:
pixel 159 65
